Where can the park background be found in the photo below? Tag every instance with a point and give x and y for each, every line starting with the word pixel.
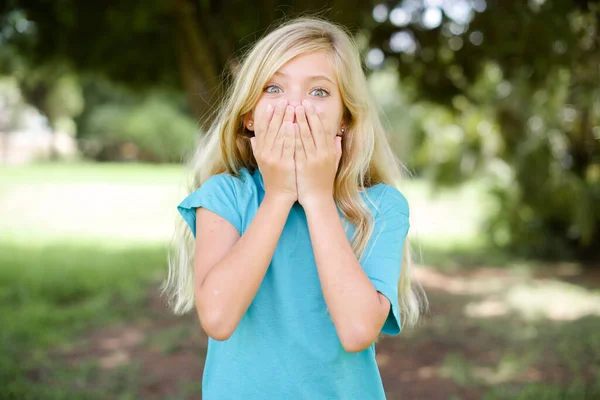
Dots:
pixel 494 106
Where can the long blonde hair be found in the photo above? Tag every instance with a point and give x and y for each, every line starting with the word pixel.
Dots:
pixel 367 158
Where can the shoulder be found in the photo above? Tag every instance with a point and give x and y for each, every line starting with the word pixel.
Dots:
pixel 224 194
pixel 228 183
pixel 222 187
pixel 395 200
pixel 388 199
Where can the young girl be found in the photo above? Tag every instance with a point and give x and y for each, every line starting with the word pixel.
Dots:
pixel 299 260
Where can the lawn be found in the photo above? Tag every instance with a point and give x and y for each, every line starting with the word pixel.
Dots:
pixel 82 254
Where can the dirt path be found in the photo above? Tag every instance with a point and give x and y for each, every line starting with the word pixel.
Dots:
pixel 455 352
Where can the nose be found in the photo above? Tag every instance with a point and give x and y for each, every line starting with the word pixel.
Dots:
pixel 294 97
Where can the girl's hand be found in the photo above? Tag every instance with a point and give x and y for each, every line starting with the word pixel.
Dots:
pixel 273 147
pixel 317 155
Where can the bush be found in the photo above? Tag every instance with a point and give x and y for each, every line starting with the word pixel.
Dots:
pixel 154 131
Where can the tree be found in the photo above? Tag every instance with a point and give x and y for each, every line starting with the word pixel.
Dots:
pixel 519 78
pixel 182 43
pixel 522 80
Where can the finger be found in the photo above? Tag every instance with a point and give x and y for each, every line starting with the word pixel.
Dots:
pixel 304 130
pixel 329 138
pixel 262 122
pixel 289 143
pixel 315 126
pixel 289 114
pixel 299 151
pixel 287 117
pixel 274 124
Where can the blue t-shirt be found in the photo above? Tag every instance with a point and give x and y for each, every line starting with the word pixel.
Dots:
pixel 286 346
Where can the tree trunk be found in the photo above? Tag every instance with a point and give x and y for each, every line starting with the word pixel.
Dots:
pixel 199 67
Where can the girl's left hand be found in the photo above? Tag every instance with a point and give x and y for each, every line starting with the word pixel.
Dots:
pixel 317 156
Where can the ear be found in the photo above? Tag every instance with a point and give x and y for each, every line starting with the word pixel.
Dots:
pixel 249 121
pixel 344 123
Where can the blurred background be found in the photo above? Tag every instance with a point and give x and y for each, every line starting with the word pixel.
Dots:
pixel 494 106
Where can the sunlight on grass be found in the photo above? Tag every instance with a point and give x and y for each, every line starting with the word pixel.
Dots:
pixel 61 205
pixel 91 172
pixel 83 245
pixel 137 202
pixel 541 299
pixel 118 211
pixel 553 300
pixel 446 217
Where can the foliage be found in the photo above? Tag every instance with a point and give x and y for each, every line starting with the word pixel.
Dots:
pixel 508 91
pixel 151 130
pixel 52 88
pixel 13 109
pixel 142 43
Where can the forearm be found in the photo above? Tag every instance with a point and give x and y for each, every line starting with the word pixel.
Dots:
pixel 350 296
pixel 231 284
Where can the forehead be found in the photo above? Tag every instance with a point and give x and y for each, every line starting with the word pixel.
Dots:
pixel 309 65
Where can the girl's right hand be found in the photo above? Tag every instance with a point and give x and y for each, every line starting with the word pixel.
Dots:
pixel 273 148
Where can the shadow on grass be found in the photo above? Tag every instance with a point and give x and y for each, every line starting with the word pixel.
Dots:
pixel 86 321
pixel 460 256
pixel 496 334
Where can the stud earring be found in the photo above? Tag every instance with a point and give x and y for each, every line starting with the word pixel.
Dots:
pixel 343 130
pixel 250 124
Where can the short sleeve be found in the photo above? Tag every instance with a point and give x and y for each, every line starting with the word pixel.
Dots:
pixel 382 259
pixel 217 194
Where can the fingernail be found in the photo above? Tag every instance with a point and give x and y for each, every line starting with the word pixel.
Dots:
pixel 319 110
pixel 270 108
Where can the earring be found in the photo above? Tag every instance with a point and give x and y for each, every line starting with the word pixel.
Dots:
pixel 343 130
pixel 250 124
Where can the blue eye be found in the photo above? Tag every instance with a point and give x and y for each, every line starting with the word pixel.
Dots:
pixel 320 93
pixel 273 89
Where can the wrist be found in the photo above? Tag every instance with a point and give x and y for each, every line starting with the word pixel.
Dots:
pixel 318 204
pixel 279 200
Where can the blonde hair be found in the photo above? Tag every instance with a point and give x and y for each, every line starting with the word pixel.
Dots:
pixel 367 158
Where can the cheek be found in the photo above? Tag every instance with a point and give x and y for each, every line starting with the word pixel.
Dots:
pixel 261 106
pixel 329 124
pixel 331 118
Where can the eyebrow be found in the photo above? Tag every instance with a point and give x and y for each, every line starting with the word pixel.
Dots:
pixel 310 78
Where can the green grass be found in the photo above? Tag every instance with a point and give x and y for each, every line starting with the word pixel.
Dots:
pixel 52 293
pixel 83 245
pixel 87 172
pixel 122 203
